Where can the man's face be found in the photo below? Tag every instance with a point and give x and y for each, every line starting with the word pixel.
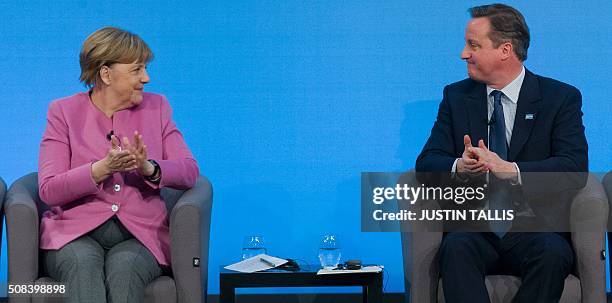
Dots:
pixel 483 60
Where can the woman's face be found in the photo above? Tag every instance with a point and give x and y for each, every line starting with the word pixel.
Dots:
pixel 127 82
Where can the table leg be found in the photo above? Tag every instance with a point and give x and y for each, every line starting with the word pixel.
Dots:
pixel 373 293
pixel 227 292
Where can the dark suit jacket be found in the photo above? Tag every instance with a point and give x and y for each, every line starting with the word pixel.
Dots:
pixel 553 141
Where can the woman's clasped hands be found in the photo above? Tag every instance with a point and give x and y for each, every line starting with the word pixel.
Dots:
pixel 123 158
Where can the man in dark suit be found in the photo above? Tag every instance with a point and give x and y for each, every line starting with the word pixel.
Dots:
pixel 505 122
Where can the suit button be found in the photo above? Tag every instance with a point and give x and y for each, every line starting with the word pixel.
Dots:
pixel 115 207
pixel 117 187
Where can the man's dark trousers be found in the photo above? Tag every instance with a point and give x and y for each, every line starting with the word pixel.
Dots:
pixel 542 260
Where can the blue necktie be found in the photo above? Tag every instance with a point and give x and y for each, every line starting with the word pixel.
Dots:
pixel 497 133
pixel 498 190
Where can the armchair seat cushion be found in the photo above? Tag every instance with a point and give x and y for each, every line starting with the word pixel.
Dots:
pixel 48 299
pixel 502 289
pixel 161 290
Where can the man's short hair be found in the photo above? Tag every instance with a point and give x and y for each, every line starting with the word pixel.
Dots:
pixel 507 25
pixel 107 46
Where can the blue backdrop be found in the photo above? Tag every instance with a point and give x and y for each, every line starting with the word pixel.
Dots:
pixel 284 103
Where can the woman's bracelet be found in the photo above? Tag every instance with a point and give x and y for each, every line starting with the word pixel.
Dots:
pixel 156 175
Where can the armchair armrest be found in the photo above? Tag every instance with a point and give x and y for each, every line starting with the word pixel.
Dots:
pixel 588 222
pixel 189 238
pixel 420 243
pixel 2 191
pixel 607 184
pixel 22 229
pixel 2 194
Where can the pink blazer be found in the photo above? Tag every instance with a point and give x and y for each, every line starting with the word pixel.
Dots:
pixel 75 137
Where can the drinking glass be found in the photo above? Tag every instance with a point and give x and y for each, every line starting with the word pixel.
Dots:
pixel 253 246
pixel 329 252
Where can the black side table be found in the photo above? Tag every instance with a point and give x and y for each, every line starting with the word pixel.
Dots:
pixel 371 283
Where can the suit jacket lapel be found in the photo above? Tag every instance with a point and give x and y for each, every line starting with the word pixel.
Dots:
pixel 476 108
pixel 527 106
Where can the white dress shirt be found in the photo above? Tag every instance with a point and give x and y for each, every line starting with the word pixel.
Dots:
pixel 509 101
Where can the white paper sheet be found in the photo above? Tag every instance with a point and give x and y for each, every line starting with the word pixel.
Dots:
pixel 350 271
pixel 257 263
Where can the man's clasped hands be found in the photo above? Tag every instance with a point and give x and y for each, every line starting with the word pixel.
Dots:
pixel 477 160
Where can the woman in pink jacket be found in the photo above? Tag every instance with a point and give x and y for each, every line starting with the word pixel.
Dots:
pixel 104 157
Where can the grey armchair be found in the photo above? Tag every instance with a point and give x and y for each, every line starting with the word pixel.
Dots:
pixel 587 284
pixel 189 213
pixel 607 183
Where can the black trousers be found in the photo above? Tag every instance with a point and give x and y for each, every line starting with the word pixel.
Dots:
pixel 541 260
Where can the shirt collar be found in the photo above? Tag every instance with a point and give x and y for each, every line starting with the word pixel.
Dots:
pixel 513 89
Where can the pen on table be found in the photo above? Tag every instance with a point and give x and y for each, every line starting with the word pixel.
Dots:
pixel 267 262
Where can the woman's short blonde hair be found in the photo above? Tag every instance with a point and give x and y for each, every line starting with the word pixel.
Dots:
pixel 107 46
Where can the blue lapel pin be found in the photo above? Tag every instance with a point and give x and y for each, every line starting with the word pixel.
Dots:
pixel 529 116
